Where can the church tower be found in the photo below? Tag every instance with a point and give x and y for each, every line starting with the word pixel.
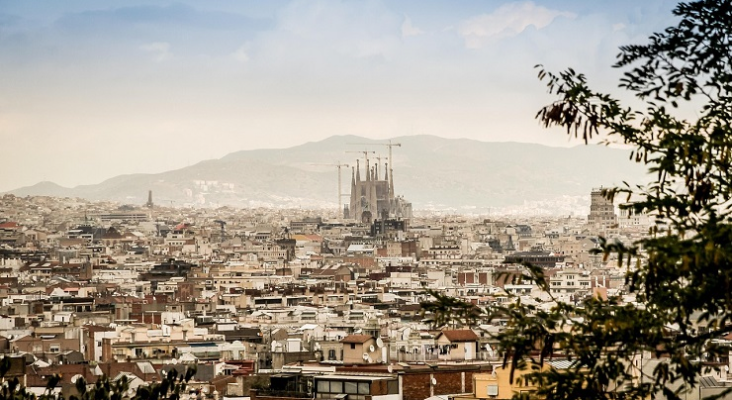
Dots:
pixel 372 194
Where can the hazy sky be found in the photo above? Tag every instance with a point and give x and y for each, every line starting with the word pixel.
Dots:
pixel 93 89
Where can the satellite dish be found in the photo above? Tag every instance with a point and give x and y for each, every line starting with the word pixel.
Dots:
pixel 365 356
pixel 372 348
pixel 370 360
pixel 433 381
pixel 75 378
pixel 390 369
pixel 379 342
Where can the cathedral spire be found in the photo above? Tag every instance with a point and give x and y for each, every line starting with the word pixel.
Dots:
pixel 391 183
pixel 373 199
pixel 358 171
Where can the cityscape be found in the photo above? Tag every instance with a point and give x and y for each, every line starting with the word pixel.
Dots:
pixel 416 200
pixel 299 299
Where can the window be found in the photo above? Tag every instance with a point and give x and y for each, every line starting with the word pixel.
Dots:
pixel 353 346
pixel 350 388
pixel 492 390
pixel 364 388
pixel 393 386
pixel 331 354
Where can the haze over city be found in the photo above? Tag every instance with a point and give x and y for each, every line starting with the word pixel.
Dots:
pixel 366 200
pixel 91 90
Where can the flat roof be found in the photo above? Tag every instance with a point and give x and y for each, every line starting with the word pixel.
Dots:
pixel 355 377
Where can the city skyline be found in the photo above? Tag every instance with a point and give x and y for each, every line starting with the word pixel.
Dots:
pixel 95 90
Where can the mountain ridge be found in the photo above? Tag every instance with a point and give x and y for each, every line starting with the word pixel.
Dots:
pixel 429 171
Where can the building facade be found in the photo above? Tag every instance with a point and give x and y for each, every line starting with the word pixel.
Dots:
pixel 373 198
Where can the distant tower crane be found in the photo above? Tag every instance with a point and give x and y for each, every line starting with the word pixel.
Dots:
pixel 389 145
pixel 340 182
pixel 364 152
pixel 169 201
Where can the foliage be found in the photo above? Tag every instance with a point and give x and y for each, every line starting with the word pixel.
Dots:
pixel 448 311
pixel 170 387
pixel 11 389
pixel 681 275
pixel 102 389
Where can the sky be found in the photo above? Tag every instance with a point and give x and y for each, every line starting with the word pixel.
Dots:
pixel 94 89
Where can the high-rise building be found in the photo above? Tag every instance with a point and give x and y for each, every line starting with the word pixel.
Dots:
pixel 602 211
pixel 149 203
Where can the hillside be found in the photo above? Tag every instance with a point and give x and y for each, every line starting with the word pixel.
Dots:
pixel 429 171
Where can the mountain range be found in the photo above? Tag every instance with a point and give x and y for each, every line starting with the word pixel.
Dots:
pixel 429 171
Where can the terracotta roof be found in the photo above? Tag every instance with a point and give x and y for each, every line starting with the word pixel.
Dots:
pixel 460 335
pixel 357 339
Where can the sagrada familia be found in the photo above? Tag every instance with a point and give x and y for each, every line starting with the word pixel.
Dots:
pixel 373 198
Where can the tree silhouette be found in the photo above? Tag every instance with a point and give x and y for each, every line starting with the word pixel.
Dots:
pixel 170 387
pixel 448 311
pixel 681 274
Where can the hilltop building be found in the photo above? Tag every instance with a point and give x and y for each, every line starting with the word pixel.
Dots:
pixel 373 198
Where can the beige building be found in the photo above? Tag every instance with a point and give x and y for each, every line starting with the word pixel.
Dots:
pixel 497 385
pixel 570 281
pixel 602 212
pixel 360 349
pixel 457 345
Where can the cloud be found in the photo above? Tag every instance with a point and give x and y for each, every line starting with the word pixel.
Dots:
pixel 508 20
pixel 176 15
pixel 159 50
pixel 326 33
pixel 241 54
pixel 410 30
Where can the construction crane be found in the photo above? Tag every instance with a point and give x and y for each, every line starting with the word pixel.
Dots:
pixel 364 152
pixel 340 182
pixel 169 201
pixel 389 145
